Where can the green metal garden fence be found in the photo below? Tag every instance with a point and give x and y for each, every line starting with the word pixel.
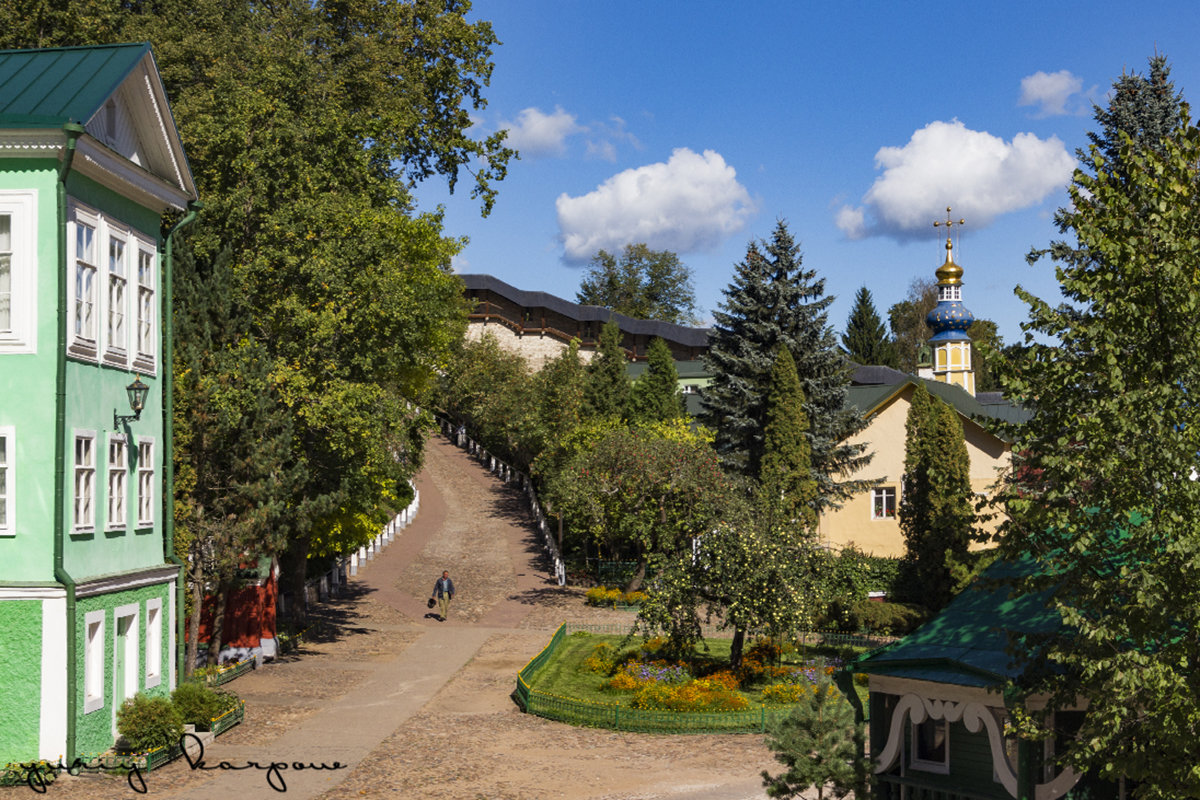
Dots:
pixel 230 718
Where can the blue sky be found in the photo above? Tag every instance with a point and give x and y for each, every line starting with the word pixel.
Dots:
pixel 695 126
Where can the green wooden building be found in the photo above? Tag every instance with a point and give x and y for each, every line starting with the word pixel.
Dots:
pixel 90 162
pixel 937 710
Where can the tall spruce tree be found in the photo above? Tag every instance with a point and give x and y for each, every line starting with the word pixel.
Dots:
pixel 936 511
pixel 774 301
pixel 865 340
pixel 1143 107
pixel 656 396
pixel 607 391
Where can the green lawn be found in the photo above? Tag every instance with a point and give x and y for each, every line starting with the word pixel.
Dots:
pixel 565 675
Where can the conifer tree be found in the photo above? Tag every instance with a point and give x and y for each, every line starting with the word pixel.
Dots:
pixel 1144 108
pixel 865 340
pixel 656 396
pixel 607 392
pixel 936 510
pixel 774 301
pixel 822 747
pixel 787 477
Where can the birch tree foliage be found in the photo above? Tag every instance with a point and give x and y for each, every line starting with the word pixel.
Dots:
pixel 1103 493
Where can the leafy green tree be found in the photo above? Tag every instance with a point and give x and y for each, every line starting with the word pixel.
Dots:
pixel 1102 493
pixel 645 492
pixel 656 395
pixel 492 392
pixel 774 301
pixel 907 322
pixel 937 511
pixel 234 474
pixel 822 747
pixel 306 126
pixel 986 347
pixel 865 340
pixel 608 391
pixel 641 283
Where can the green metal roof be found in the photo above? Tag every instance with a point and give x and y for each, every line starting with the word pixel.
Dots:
pixel 966 644
pixel 46 88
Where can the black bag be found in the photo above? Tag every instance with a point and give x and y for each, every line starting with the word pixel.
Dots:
pixel 431 603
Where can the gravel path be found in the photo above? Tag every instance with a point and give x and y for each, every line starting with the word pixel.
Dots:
pixel 373 683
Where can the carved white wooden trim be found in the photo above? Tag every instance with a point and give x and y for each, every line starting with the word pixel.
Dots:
pixel 976 717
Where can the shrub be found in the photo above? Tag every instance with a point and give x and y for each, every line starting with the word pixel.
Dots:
pixel 785 692
pixel 634 598
pixel 199 705
pixel 600 596
pixel 148 723
pixel 602 660
pixel 696 695
pixel 41 773
pixel 724 678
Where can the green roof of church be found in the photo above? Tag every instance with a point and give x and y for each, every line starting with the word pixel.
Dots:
pixel 49 87
pixel 966 644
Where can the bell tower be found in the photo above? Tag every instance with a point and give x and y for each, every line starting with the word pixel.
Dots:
pixel 950 320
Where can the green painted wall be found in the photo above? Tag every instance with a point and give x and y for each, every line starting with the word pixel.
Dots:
pixel 20 679
pixel 94 733
pixel 27 391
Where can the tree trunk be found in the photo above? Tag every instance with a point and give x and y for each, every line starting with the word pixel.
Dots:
pixel 218 629
pixel 735 647
pixel 293 573
pixel 196 578
pixel 639 576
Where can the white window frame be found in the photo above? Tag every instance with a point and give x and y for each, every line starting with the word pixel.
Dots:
pixel 83 517
pixel 21 209
pixel 146 491
pixel 950 293
pixel 926 765
pixel 116 282
pixel 881 491
pixel 154 618
pixel 145 332
pixel 8 480
pixel 93 661
pixel 118 487
pixel 132 649
pixel 83 341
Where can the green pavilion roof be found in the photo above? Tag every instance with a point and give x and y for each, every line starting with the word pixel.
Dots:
pixel 966 644
pixel 49 87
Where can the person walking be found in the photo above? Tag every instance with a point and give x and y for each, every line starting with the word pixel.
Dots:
pixel 443 590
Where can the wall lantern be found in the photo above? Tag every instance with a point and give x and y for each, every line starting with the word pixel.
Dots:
pixel 136 392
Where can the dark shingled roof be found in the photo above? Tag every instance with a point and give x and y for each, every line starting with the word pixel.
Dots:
pixel 872 385
pixel 684 335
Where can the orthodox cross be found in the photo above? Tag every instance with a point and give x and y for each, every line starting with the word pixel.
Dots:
pixel 949 222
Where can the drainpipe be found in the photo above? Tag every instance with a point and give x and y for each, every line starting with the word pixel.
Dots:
pixel 73 131
pixel 168 407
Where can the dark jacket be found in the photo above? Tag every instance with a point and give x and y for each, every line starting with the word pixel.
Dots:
pixel 448 587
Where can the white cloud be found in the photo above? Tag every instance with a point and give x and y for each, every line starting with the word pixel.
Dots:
pixel 1050 91
pixel 690 203
pixel 945 163
pixel 539 134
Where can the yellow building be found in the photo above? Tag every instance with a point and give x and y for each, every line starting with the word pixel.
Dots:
pixel 883 395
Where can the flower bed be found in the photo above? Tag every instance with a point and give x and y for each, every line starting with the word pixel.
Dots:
pixel 588 680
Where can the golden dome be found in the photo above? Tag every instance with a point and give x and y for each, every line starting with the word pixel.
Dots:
pixel 949 273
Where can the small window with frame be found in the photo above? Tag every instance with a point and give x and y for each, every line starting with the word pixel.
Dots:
pixel 931 746
pixel 883 502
